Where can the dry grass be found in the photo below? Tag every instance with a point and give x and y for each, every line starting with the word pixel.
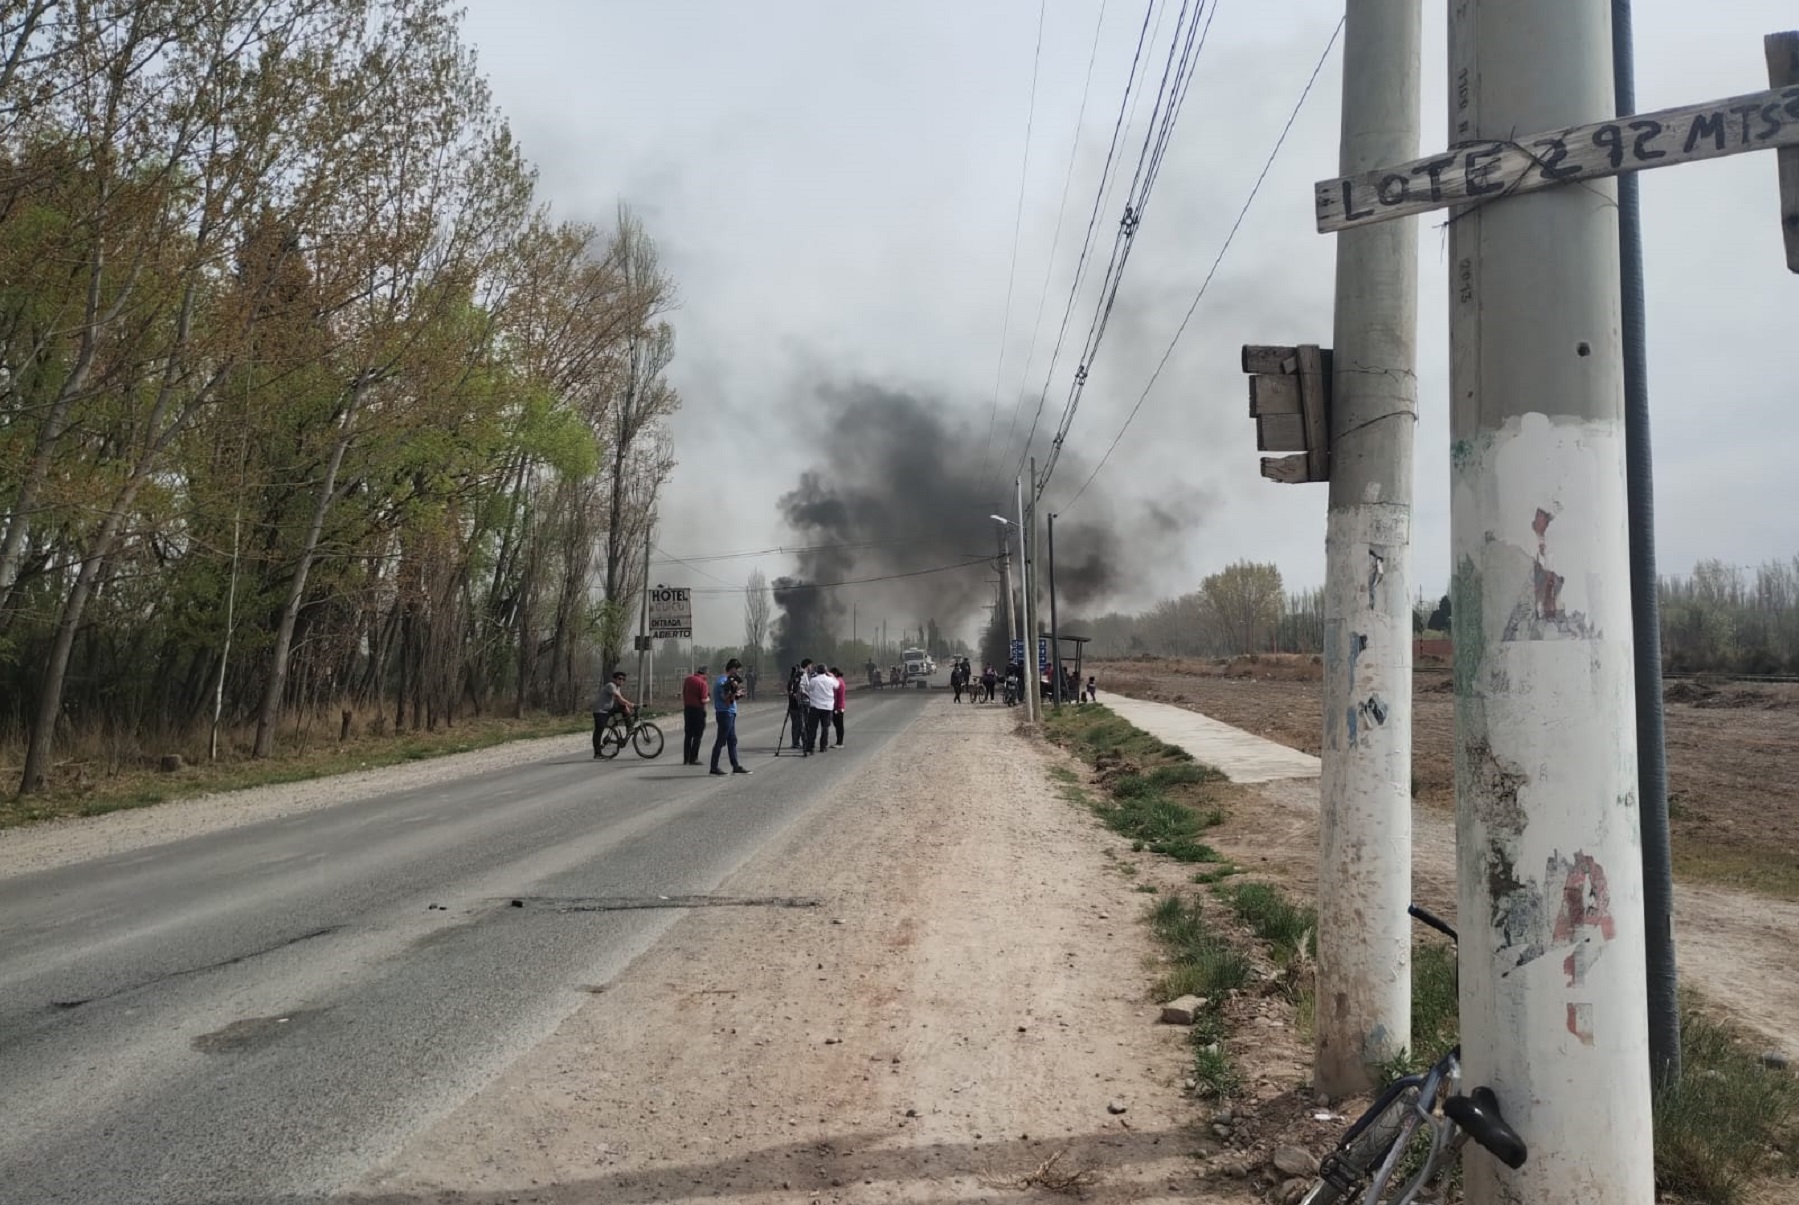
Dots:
pixel 1070 1181
pixel 99 773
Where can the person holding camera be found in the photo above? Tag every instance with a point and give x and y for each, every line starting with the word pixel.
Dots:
pixel 725 693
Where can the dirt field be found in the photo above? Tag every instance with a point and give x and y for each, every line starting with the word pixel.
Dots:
pixel 1733 751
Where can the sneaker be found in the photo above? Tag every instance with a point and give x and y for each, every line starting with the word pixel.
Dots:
pixel 740 770
pixel 720 773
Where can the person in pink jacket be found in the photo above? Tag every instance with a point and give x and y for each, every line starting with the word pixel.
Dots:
pixel 843 691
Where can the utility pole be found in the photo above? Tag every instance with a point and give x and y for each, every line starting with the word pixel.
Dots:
pixel 1550 876
pixel 1027 630
pixel 1365 804
pixel 1005 572
pixel 1645 603
pixel 643 618
pixel 1055 632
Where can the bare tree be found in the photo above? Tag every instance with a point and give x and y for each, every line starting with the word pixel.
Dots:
pixel 757 604
pixel 639 399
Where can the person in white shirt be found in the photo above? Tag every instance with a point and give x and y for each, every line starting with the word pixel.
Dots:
pixel 821 701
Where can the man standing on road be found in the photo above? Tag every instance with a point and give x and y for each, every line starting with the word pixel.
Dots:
pixel 612 699
pixel 695 694
pixel 821 696
pixel 724 703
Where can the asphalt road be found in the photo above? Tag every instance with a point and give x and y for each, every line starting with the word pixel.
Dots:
pixel 264 1013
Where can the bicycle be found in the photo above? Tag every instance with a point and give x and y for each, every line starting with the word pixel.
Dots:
pixel 1372 1150
pixel 642 735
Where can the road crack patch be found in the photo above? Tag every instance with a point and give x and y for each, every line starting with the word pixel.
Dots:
pixel 626 903
pixel 199 970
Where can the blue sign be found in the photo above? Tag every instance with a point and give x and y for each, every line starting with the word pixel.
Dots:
pixel 1042 653
pixel 1017 652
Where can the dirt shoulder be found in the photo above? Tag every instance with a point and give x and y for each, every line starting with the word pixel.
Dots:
pixel 967 1003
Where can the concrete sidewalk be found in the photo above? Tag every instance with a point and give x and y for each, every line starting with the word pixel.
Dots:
pixel 1242 756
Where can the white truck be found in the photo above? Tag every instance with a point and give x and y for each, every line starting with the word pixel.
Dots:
pixel 917 667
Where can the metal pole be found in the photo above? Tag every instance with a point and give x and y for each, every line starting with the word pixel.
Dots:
pixel 1645 606
pixel 1550 877
pixel 1365 792
pixel 643 619
pixel 1055 633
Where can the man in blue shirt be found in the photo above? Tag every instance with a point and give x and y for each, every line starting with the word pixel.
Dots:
pixel 724 710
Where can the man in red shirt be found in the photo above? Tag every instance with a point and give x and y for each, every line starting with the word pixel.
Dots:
pixel 695 693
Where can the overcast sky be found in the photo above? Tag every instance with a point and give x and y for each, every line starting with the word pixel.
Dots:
pixel 834 187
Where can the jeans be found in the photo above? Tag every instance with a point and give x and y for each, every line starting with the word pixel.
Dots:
pixel 599 726
pixel 837 722
pixel 796 722
pixel 696 733
pixel 726 738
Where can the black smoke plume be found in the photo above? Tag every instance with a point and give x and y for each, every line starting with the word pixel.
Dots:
pixel 896 485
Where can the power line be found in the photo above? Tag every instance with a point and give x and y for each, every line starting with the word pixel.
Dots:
pixel 1099 198
pixel 669 557
pixel 1222 251
pixel 860 581
pixel 1055 239
pixel 1171 95
pixel 1024 175
pixel 793 550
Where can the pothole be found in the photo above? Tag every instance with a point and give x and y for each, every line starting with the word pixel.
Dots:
pixel 253 1033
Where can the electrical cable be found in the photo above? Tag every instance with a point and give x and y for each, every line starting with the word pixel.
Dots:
pixel 1099 197
pixel 860 581
pixel 1172 92
pixel 1222 252
pixel 1024 175
pixel 1055 239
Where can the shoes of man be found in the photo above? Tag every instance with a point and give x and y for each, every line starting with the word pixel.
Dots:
pixel 720 773
pixel 741 770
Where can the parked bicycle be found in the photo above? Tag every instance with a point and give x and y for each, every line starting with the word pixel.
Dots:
pixel 640 733
pixel 1422 1118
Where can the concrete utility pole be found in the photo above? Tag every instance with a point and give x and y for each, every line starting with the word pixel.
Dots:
pixel 1365 807
pixel 1055 631
pixel 1027 629
pixel 1005 572
pixel 1551 884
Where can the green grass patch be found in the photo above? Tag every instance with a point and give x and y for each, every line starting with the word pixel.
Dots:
pixel 1728 1121
pixel 1205 962
pixel 1202 962
pixel 1289 929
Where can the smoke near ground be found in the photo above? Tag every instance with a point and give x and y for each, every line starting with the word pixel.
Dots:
pixel 892 484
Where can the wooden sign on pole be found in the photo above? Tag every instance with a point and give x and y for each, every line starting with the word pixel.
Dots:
pixel 1485 170
pixel 1783 72
pixel 1289 398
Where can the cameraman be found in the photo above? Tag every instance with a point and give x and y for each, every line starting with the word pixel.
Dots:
pixel 724 707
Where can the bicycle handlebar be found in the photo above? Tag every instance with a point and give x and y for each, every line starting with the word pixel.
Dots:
pixel 1440 925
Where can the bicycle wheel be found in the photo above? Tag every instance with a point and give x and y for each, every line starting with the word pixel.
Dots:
pixel 646 738
pixel 612 743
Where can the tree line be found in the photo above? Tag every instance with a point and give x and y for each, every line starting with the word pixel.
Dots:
pixel 1719 619
pixel 307 402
